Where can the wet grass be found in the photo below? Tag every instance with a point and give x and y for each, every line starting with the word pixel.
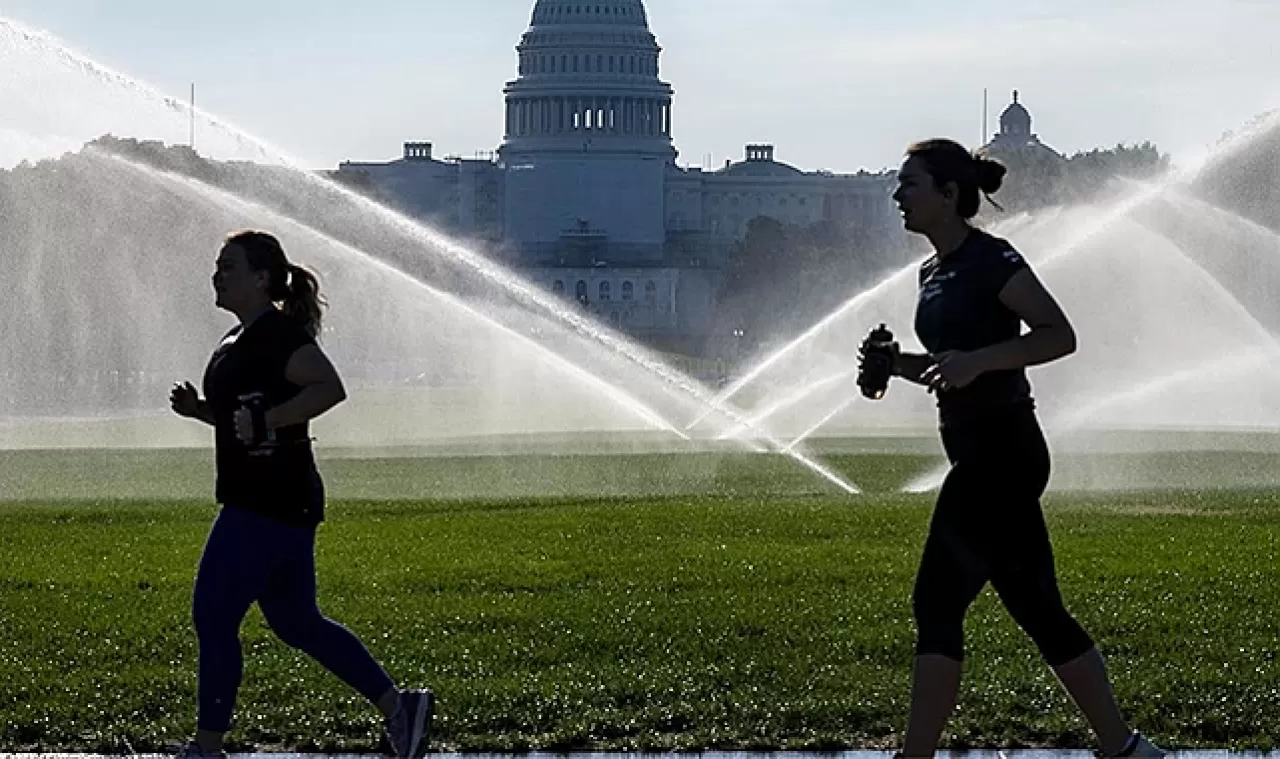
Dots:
pixel 748 617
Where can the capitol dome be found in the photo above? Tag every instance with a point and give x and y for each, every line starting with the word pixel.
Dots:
pixel 588 76
pixel 573 12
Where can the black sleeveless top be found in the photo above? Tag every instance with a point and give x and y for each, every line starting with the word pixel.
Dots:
pixel 959 309
pixel 279 478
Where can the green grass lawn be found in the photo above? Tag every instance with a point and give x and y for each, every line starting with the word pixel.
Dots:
pixel 759 611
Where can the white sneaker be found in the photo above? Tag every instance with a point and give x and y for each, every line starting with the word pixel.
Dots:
pixel 410 727
pixel 1139 748
pixel 192 751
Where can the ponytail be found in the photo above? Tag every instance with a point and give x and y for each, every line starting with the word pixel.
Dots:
pixel 302 299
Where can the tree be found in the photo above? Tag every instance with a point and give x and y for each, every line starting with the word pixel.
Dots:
pixel 1039 178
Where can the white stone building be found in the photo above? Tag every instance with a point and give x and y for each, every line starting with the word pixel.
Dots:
pixel 585 195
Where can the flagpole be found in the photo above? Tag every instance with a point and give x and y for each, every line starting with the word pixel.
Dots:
pixel 984 116
pixel 192 141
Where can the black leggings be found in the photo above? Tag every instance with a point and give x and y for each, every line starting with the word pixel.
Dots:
pixel 988 526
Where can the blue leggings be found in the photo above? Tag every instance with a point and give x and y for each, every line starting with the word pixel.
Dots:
pixel 250 558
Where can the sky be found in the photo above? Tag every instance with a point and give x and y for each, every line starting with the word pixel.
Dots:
pixel 840 85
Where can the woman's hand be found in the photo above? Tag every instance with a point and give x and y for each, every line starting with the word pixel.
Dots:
pixel 952 369
pixel 184 400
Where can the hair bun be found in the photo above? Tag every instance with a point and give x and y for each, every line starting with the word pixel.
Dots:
pixel 990 174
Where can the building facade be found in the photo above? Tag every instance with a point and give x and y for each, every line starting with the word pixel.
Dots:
pixel 585 195
pixel 1016 136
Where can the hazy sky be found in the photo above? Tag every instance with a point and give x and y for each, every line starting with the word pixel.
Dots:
pixel 835 84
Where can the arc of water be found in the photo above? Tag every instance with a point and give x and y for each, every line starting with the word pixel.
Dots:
pixel 1146 193
pixel 622 397
pixel 805 392
pixel 853 303
pixel 512 284
pixel 1068 422
pixel 1226 215
pixel 803 436
pixel 1073 420
pixel 1115 212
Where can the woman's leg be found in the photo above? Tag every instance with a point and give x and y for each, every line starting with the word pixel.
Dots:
pixel 950 577
pixel 1027 583
pixel 290 606
pixel 232 572
pixel 1026 580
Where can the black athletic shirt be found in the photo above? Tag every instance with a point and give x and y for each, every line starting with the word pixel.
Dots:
pixel 959 309
pixel 278 480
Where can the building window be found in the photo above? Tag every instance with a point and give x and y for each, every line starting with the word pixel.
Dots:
pixel 558 287
pixel 628 291
pixel 580 290
pixel 650 291
pixel 606 291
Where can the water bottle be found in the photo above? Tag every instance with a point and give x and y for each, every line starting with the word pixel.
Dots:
pixel 264 440
pixel 878 354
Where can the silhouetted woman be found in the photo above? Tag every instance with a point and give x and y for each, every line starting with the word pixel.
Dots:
pixel 266 380
pixel 975 293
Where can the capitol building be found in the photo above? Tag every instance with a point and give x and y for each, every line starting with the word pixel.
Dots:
pixel 585 196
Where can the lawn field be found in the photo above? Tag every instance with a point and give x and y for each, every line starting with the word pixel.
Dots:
pixel 643 601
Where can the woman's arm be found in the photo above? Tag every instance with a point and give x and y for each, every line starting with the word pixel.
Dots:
pixel 912 366
pixel 1051 335
pixel 321 390
pixel 204 412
